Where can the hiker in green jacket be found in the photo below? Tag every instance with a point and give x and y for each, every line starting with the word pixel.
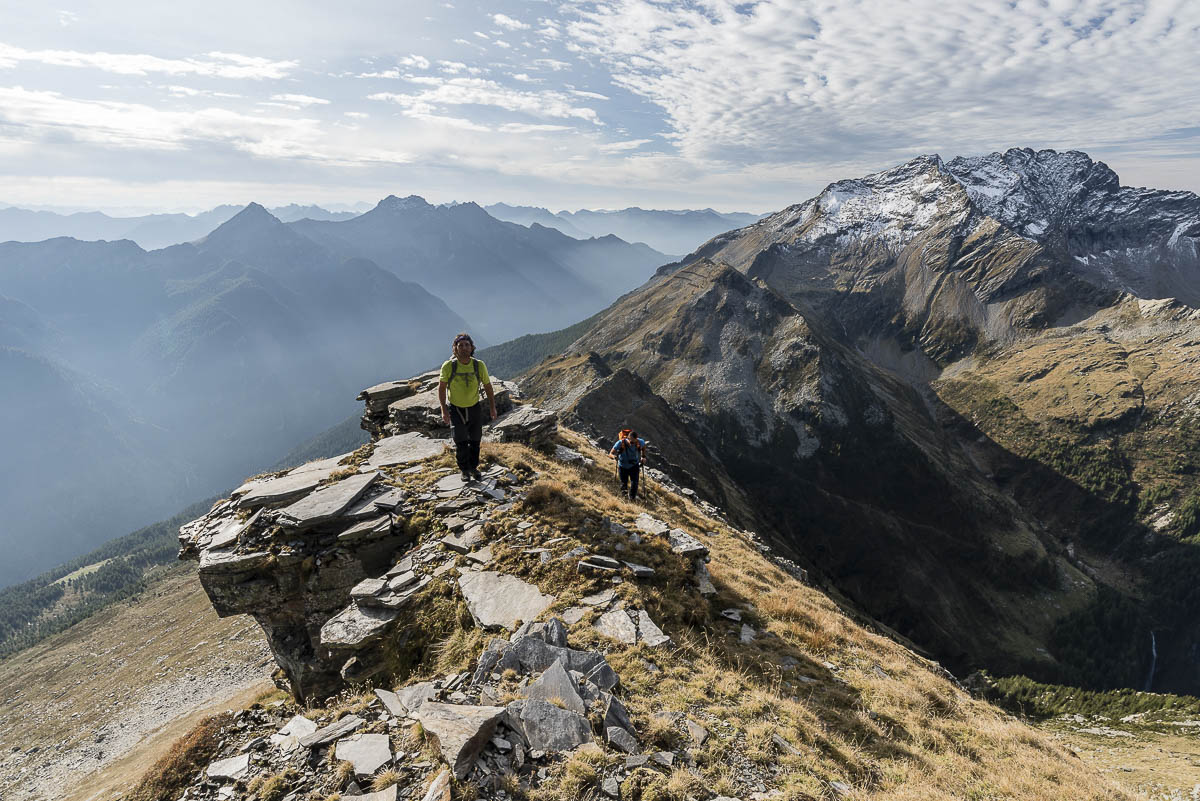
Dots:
pixel 464 375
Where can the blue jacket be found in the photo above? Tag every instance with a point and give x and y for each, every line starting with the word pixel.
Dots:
pixel 628 455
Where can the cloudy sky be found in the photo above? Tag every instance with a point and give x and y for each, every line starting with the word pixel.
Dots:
pixel 134 106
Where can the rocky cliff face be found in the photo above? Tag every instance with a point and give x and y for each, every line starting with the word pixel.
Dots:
pixel 961 390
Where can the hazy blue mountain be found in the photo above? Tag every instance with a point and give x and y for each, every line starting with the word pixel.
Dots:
pixel 666 231
pixel 530 215
pixel 506 279
pixel 150 231
pixel 182 370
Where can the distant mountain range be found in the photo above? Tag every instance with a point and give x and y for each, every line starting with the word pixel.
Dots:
pixel 150 231
pixel 172 373
pixel 675 232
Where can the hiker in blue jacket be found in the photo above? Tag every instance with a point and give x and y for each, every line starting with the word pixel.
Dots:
pixel 630 453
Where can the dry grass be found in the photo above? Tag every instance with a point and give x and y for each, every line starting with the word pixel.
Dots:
pixel 861 709
pixel 175 770
pixel 386 779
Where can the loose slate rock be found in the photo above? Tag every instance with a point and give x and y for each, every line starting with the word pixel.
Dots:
pixel 648 632
pixel 287 739
pixel 651 525
pixel 621 740
pixel 697 732
pixel 460 731
pixel 284 488
pixel 465 541
pixel 332 731
pixel 498 600
pixel 367 752
pixel 685 544
pixel 417 694
pixel 328 502
pixel 232 768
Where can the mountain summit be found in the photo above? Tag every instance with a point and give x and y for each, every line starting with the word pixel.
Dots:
pixel 960 392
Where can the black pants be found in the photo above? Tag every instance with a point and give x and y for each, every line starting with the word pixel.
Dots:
pixel 466 426
pixel 629 478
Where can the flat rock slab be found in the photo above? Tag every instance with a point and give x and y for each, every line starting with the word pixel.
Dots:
pixel 355 626
pixel 460 731
pixel 328 502
pixel 332 732
pixel 603 598
pixel 366 529
pixel 232 768
pixel 650 525
pixel 405 449
pixel 450 483
pixel 549 728
pixel 574 614
pixel 617 625
pixel 640 571
pixel 648 632
pixel 284 488
pixel 231 532
pixel 481 557
pixel 498 600
pixel 367 752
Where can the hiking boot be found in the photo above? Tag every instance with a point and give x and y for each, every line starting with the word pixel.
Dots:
pixel 475 474
pixel 466 477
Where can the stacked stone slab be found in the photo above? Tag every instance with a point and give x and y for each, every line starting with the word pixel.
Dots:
pixel 395 407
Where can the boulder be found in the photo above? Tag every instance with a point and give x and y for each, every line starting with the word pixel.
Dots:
pixel 548 728
pixel 498 600
pixel 528 424
pixel 459 731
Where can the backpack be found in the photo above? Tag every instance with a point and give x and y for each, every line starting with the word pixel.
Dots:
pixel 624 441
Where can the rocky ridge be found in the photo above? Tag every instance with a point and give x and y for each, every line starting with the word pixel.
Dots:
pixel 552 642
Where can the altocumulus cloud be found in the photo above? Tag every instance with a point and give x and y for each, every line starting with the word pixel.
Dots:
pixel 777 82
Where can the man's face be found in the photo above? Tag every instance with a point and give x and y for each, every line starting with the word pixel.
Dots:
pixel 462 349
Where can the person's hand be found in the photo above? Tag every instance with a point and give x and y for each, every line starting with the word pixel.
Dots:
pixel 446 416
pixel 493 411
